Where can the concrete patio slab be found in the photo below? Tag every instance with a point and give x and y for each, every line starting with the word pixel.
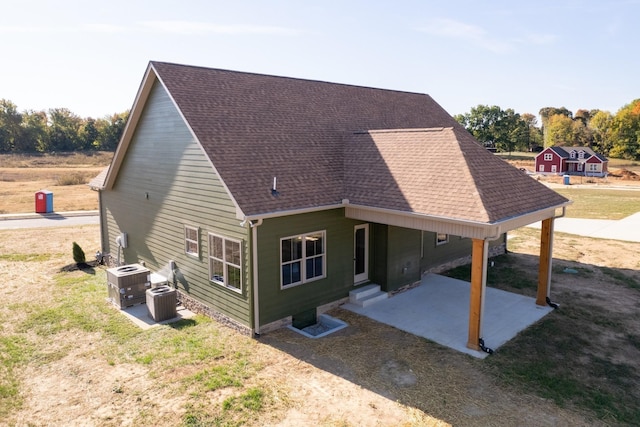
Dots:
pixel 438 309
pixel 139 315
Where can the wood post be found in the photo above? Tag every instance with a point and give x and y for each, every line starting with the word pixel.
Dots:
pixel 478 282
pixel 544 269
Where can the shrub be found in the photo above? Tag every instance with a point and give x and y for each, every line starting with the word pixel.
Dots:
pixel 78 254
pixel 76 178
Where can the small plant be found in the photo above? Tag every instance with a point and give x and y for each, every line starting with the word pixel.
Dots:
pixel 76 178
pixel 78 254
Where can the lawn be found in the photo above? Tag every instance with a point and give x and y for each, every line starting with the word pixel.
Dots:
pixel 596 203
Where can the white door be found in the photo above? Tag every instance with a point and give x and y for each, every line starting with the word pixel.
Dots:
pixel 361 253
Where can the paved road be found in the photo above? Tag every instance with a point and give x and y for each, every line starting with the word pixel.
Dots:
pixel 62 219
pixel 627 229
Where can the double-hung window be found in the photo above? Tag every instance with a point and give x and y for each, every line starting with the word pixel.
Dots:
pixel 302 258
pixel 191 240
pixel 225 262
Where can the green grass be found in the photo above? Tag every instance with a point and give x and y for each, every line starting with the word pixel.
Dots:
pixel 15 351
pixel 621 278
pixel 600 203
pixel 559 358
pixel 197 345
pixel 27 257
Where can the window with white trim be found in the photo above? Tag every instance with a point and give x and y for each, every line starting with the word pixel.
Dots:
pixel 441 239
pixel 191 240
pixel 593 167
pixel 225 262
pixel 541 168
pixel 302 259
pixel 572 154
pixel 548 157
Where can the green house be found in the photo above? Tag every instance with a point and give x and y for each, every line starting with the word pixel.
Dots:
pixel 265 199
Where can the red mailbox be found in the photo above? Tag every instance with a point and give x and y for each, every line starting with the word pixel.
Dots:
pixel 44 201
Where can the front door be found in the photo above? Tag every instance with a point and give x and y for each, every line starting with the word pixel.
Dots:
pixel 361 253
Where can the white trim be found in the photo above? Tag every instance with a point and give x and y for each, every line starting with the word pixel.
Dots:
pixel 225 264
pixel 303 258
pixel 456 227
pixel 364 276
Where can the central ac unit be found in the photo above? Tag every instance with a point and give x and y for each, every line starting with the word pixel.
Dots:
pixel 127 284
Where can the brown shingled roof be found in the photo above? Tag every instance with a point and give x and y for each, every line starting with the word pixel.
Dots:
pixel 441 172
pixel 305 133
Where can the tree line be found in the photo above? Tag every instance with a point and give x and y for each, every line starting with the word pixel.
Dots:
pixel 57 129
pixel 614 135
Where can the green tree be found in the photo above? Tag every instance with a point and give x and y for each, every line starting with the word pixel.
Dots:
pixel 559 131
pixel 110 131
pixel 89 134
pixel 601 125
pixel 10 126
pixel 534 133
pixel 35 135
pixel 494 127
pixel 626 132
pixel 64 130
pixel 545 115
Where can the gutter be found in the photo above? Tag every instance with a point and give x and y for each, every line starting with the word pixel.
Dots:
pixel 253 225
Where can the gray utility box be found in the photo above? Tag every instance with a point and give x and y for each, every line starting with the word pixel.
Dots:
pixel 161 303
pixel 127 284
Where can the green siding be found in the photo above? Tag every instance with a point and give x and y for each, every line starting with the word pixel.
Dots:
pixel 403 257
pixel 457 247
pixel 165 162
pixel 276 303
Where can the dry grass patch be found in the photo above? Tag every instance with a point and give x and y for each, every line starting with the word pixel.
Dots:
pixel 66 175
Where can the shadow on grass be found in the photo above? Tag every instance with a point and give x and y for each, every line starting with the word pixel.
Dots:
pixel 582 357
pixel 85 267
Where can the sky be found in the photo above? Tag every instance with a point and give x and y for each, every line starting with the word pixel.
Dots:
pixel 90 56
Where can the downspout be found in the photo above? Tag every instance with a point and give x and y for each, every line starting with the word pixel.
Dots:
pixel 254 254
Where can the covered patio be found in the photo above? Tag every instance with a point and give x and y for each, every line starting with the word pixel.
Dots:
pixel 438 309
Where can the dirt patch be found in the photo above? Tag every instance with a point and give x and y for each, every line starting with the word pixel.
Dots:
pixel 367 374
pixel 624 174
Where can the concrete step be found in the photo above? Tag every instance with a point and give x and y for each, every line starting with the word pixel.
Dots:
pixel 367 295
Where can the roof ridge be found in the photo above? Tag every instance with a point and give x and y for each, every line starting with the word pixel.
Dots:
pixel 299 79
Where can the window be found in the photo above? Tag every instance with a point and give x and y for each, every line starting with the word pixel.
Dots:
pixel 302 258
pixel 581 154
pixel 593 167
pixel 554 168
pixel 225 262
pixel 441 239
pixel 572 154
pixel 191 240
pixel 541 168
pixel 548 157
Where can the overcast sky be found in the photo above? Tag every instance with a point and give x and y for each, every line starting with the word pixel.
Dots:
pixel 90 56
